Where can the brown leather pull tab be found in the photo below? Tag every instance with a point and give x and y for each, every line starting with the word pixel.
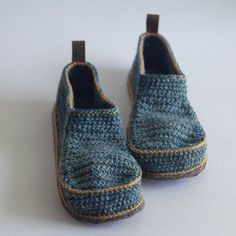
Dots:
pixel 78 51
pixel 152 23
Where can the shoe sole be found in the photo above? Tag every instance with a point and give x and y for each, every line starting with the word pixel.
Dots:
pixel 175 175
pixel 92 219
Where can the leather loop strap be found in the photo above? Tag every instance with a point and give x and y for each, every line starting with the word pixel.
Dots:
pixel 78 51
pixel 152 23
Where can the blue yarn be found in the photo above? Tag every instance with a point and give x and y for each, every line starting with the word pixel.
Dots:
pixel 162 117
pixel 93 155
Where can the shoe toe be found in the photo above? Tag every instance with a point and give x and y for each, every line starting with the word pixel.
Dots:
pixel 102 188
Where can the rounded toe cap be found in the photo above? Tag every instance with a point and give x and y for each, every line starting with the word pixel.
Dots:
pixel 102 189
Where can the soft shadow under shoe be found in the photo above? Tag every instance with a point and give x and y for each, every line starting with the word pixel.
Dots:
pixel 164 133
pixel 97 178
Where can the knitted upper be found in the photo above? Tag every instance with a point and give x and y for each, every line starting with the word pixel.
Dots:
pixel 93 151
pixel 162 117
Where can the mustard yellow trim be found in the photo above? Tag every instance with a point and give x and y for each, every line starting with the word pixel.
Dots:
pixel 71 97
pixel 141 56
pixel 81 216
pixel 99 218
pixel 153 152
pixel 69 86
pixel 116 188
pixel 180 173
pixel 82 192
pixel 141 51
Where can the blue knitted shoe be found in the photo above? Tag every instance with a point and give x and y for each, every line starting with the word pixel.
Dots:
pixel 97 178
pixel 164 133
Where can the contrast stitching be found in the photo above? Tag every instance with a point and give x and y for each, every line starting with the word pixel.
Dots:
pixel 69 67
pixel 116 188
pixel 169 51
pixel 180 172
pixel 102 218
pixel 81 216
pixel 153 152
pixel 82 192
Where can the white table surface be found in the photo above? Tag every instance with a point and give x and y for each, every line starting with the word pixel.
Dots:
pixel 35 44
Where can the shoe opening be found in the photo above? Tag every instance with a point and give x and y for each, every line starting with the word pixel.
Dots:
pixel 157 56
pixel 86 91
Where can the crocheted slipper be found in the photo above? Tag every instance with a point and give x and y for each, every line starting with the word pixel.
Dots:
pixel 98 179
pixel 164 133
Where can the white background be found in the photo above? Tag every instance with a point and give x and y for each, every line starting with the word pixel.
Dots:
pixel 35 44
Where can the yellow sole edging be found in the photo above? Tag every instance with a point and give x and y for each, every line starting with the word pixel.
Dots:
pixel 95 219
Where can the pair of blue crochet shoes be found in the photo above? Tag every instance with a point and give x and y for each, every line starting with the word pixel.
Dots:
pixel 98 172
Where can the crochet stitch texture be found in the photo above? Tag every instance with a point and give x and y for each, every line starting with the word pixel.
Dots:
pixel 164 133
pixel 97 177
